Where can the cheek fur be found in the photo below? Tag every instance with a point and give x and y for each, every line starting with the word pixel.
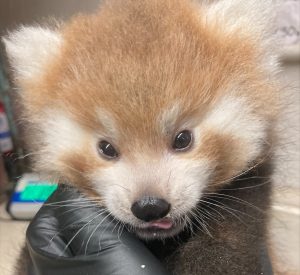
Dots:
pixel 237 116
pixel 231 135
pixel 226 152
pixel 66 148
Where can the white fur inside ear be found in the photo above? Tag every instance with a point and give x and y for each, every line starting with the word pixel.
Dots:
pixel 30 48
pixel 249 16
pixel 250 19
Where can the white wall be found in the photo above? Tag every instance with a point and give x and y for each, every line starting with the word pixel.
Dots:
pixel 288 159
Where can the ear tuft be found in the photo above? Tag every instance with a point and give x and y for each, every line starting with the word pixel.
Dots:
pixel 29 49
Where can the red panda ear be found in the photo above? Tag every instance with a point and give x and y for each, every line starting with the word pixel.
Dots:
pixel 251 16
pixel 253 20
pixel 29 49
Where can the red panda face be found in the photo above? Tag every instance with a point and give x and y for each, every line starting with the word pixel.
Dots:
pixel 148 106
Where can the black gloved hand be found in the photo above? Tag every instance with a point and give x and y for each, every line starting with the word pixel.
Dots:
pixel 70 236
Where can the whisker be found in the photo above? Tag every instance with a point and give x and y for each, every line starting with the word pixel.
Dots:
pixel 236 199
pixel 232 209
pixel 76 234
pixel 71 200
pixel 245 171
pixel 252 177
pixel 120 227
pixel 201 222
pixel 206 214
pixel 189 225
pixel 215 210
pixel 74 209
pixel 248 187
pixel 67 226
pixel 227 209
pixel 95 229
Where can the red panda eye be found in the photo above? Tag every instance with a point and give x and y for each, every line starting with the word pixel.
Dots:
pixel 183 140
pixel 107 150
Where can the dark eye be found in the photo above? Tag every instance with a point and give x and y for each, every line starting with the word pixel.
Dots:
pixel 183 140
pixel 107 150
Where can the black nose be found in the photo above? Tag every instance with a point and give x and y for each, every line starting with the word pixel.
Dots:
pixel 149 209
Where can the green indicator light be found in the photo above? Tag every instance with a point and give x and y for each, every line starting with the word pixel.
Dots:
pixel 37 191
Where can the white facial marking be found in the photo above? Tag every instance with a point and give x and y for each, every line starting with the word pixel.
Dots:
pixel 61 134
pixel 167 120
pixel 68 132
pixel 108 122
pixel 30 48
pixel 234 116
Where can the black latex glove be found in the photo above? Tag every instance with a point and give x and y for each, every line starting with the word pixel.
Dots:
pixel 69 236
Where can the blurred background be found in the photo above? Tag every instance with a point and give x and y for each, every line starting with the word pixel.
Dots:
pixel 15 166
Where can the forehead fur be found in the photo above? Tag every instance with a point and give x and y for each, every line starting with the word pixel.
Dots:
pixel 135 58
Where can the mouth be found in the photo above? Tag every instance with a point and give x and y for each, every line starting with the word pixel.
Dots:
pixel 159 229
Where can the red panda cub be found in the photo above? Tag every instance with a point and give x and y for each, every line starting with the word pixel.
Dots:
pixel 169 104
